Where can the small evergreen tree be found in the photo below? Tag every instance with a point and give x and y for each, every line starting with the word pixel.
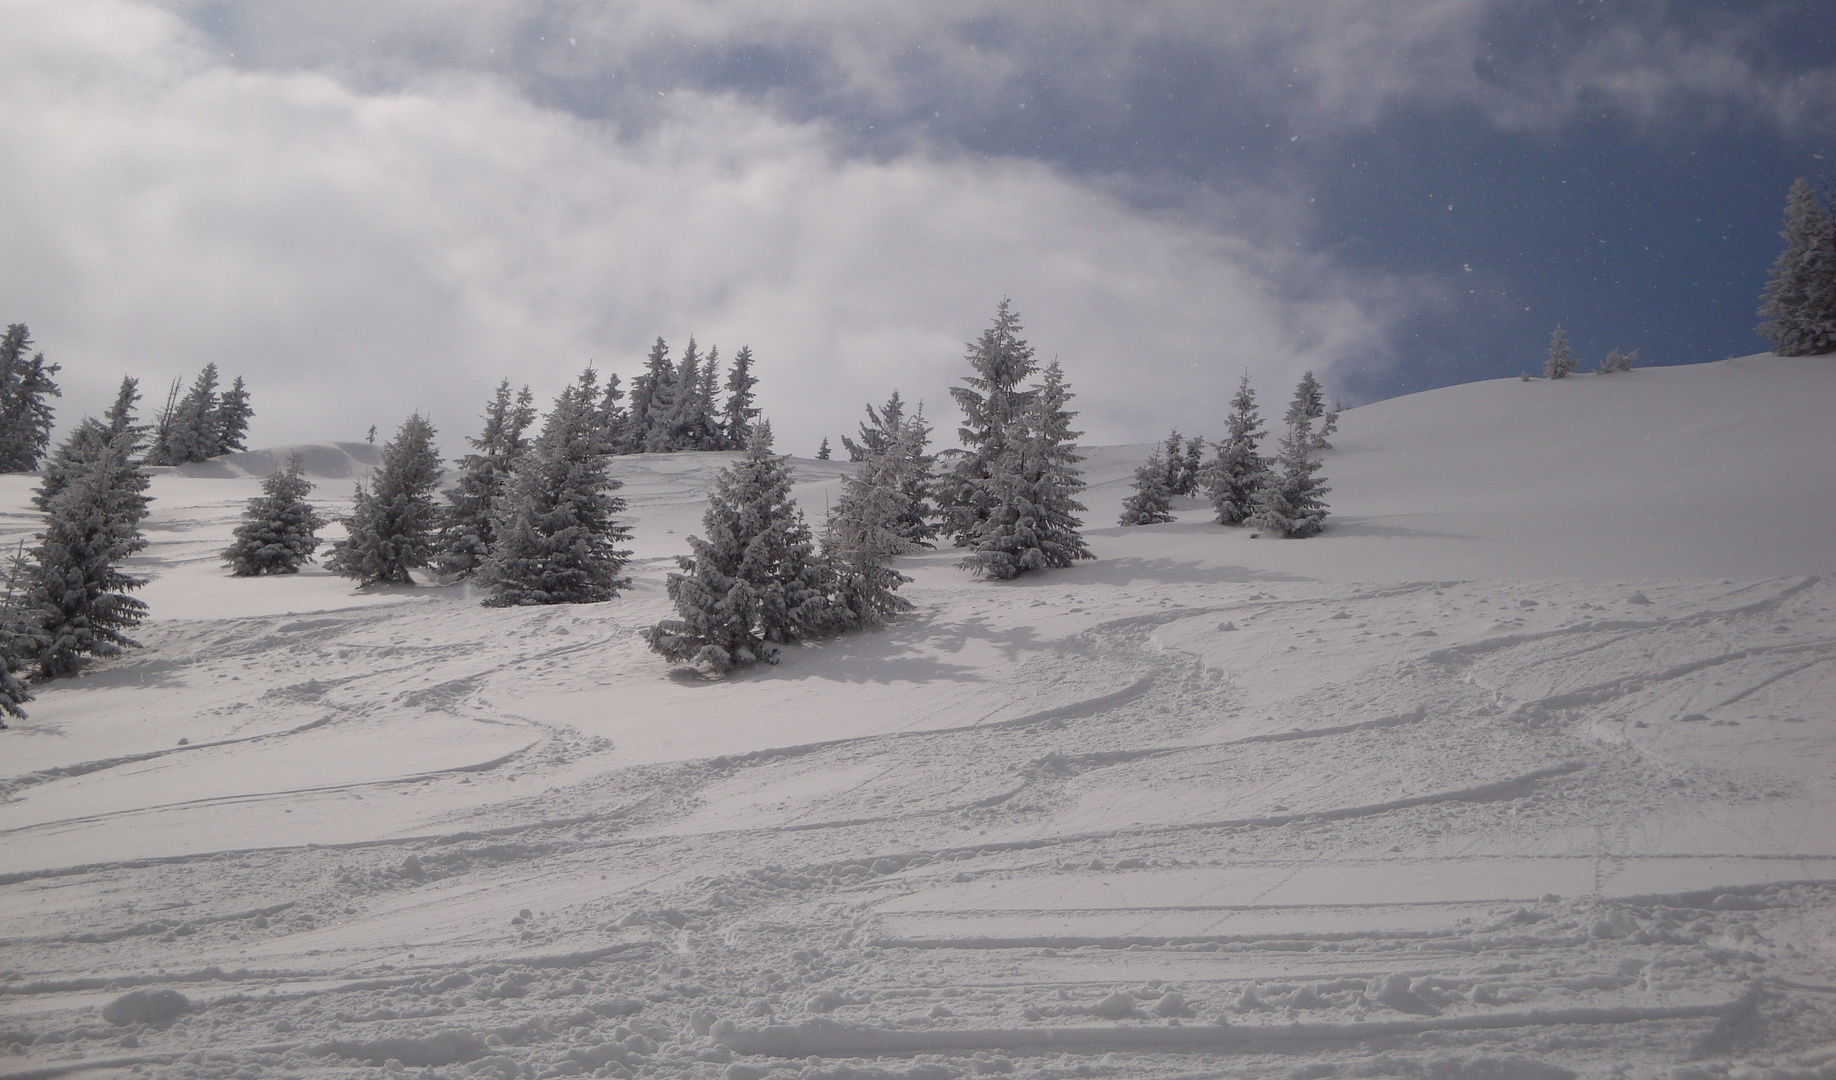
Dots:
pixel 738 413
pixel 1290 504
pixel 466 530
pixel 755 582
pixel 1031 490
pixel 823 452
pixel 1152 501
pixel 91 525
pixel 1192 468
pixel 231 422
pixel 1618 361
pixel 1799 301
pixel 279 530
pixel 994 405
pixel 862 538
pixel 22 636
pixel 1173 465
pixel 901 443
pixel 25 414
pixel 391 527
pixel 1239 471
pixel 556 535
pixel 1561 359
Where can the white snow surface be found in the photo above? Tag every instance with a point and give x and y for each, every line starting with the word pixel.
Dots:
pixel 1525 768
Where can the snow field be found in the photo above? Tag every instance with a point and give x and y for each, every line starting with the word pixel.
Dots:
pixel 1421 797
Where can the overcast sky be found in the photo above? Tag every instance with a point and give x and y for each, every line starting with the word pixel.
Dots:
pixel 372 208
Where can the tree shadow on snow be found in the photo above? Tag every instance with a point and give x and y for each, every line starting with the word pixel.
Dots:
pixel 1161 571
pixel 898 653
pixel 1353 526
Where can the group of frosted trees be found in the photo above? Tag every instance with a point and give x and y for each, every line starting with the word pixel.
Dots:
pixel 674 403
pixel 1560 363
pixel 1280 496
pixel 200 423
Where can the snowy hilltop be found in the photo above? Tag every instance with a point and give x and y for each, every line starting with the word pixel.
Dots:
pixel 1521 768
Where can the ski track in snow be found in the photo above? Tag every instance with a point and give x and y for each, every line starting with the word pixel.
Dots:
pixel 1101 824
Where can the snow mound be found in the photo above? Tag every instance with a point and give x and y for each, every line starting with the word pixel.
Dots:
pixel 325 461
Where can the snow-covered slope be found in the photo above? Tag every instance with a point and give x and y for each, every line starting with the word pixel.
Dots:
pixel 1525 768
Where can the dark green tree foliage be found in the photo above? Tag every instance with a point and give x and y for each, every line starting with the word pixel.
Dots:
pixel 754 583
pixel 1031 491
pixel 22 636
pixel 232 418
pixel 25 411
pixel 466 529
pixel 91 525
pixel 738 414
pixel 279 530
pixel 1152 500
pixel 391 527
pixel 556 534
pixel 1239 471
pixel 994 406
pixel 1291 505
pixel 862 537
pixel 1799 301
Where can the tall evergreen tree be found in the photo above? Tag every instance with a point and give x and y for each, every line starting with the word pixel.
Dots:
pixel 165 421
pixel 1173 465
pixel 1290 504
pixel 193 434
pixel 707 425
pixel 25 412
pixel 738 413
pixel 279 530
pixel 120 416
pixel 1192 467
pixel 22 634
pixel 466 529
pixel 556 534
pixel 862 537
pixel 1152 500
pixel 391 527
pixel 1031 490
pixel 231 420
pixel 1799 301
pixel 994 405
pixel 910 457
pixel 755 582
pixel 652 394
pixel 91 525
pixel 1561 358
pixel 1239 471
pixel 674 409
pixel 612 416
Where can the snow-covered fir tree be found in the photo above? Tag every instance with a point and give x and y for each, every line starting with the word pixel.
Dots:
pixel 755 582
pixel 202 424
pixel 232 419
pixel 738 413
pixel 994 405
pixel 1291 503
pixel 1561 359
pixel 652 396
pixel 822 451
pixel 1239 471
pixel 22 634
pixel 611 415
pixel 862 537
pixel 120 415
pixel 708 432
pixel 1192 468
pixel 391 528
pixel 677 427
pixel 557 536
pixel 903 443
pixel 91 525
pixel 1152 500
pixel 25 411
pixel 280 529
pixel 1031 490
pixel 1798 304
pixel 466 529
pixel 1618 361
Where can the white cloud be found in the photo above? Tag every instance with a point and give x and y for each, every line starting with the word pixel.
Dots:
pixel 360 254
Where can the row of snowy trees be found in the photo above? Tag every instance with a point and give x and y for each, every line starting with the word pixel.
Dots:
pixel 1798 305
pixel 201 423
pixel 1280 496
pixel 1560 363
pixel 674 403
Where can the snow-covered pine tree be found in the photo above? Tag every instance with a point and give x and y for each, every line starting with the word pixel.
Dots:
pixel 1290 503
pixel 231 422
pixel 862 537
pixel 25 414
pixel 75 454
pixel 1561 359
pixel 466 529
pixel 91 525
pixel 912 459
pixel 390 529
pixel 159 452
pixel 707 433
pixel 1618 361
pixel 22 635
pixel 738 413
pixel 192 433
pixel 279 530
pixel 557 538
pixel 1329 424
pixel 1799 301
pixel 1192 467
pixel 1152 501
pixel 993 405
pixel 673 408
pixel 652 394
pixel 1031 490
pixel 612 416
pixel 879 431
pixel 120 416
pixel 755 583
pixel 1173 464
pixel 823 452
pixel 1239 471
